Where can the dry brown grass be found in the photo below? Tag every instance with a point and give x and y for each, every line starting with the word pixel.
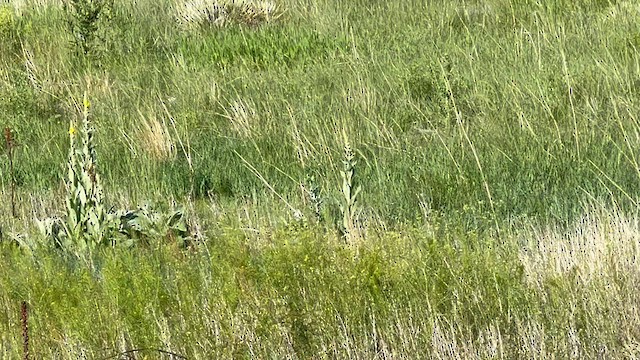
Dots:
pixel 221 13
pixel 154 138
pixel 24 6
pixel 243 117
pixel 599 244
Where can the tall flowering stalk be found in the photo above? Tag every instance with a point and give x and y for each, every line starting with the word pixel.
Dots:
pixel 350 192
pixel 87 224
pixel 86 217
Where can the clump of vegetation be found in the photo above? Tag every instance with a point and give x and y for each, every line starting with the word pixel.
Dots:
pixel 223 13
pixel 472 107
pixel 8 27
pixel 88 21
pixel 7 20
pixel 87 224
pixel 144 225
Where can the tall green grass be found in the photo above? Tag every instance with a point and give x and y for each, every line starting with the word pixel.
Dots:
pixel 483 132
pixel 297 293
pixel 546 98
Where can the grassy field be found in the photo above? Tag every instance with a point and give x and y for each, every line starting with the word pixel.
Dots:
pixel 494 145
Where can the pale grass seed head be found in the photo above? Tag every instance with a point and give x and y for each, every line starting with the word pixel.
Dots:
pixel 47 80
pixel 30 68
pixel 448 341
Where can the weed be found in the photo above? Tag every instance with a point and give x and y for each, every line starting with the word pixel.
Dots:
pixel 88 21
pixel 314 196
pixel 25 330
pixel 87 224
pixel 350 191
pixel 86 217
pixel 145 225
pixel 485 126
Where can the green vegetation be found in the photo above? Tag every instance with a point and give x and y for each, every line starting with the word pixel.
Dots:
pixel 326 179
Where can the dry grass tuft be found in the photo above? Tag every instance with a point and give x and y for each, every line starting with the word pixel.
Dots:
pixel 599 245
pixel 243 117
pixel 222 13
pixel 155 138
pixel 622 10
pixel 23 6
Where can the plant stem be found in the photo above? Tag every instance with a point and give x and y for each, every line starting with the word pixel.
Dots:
pixel 25 330
pixel 9 141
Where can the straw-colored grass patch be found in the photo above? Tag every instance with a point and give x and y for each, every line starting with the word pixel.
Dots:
pixel 154 138
pixel 222 13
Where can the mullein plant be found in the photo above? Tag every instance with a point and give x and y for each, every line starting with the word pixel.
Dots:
pixel 315 197
pixel 86 217
pixel 350 191
pixel 86 223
